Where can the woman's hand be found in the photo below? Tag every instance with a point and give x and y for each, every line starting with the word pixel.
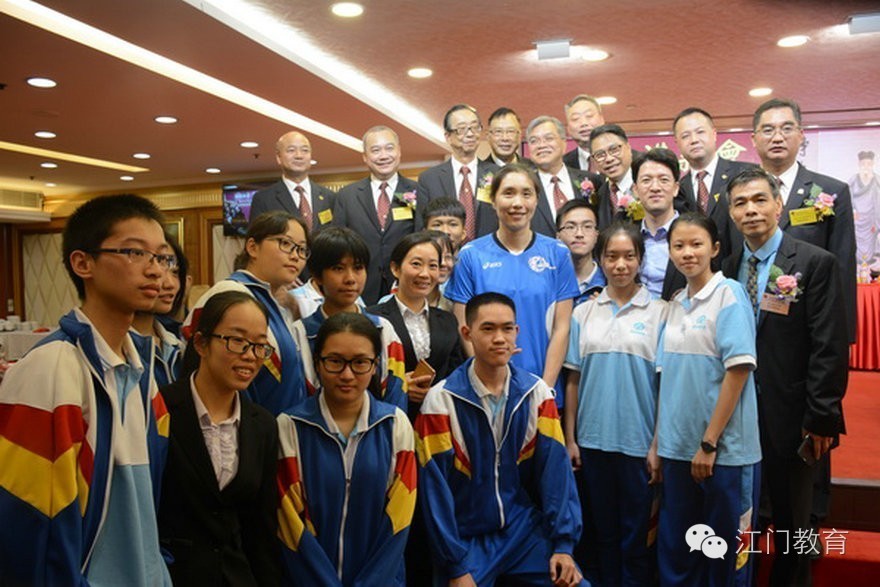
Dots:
pixel 417 387
pixel 702 464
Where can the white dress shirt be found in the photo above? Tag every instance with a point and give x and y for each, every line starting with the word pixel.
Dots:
pixel 221 439
pixel 564 185
pixel 458 177
pixel 392 186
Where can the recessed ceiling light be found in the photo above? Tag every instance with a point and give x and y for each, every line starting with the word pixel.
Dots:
pixel 313 162
pixel 126 178
pixel 250 144
pixel 212 170
pixel 812 126
pixel 165 120
pixel 41 82
pixel 141 155
pixel 760 92
pixel 873 123
pixel 45 134
pixel 48 165
pixel 49 184
pixel 420 72
pixel 347 9
pixel 595 55
pixel 737 129
pixel 793 41
pixel 605 100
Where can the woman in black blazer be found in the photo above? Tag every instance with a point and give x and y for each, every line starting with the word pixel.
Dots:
pixel 217 510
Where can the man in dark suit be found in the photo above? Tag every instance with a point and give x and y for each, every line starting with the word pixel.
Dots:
pixel 610 150
pixel 802 358
pixel 380 208
pixel 295 193
pixel 463 176
pixel 558 184
pixel 583 113
pixel 704 186
pixel 505 137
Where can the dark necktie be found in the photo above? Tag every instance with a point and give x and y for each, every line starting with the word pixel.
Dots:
pixel 466 197
pixel 384 205
pixel 559 198
pixel 752 283
pixel 304 209
pixel 614 192
pixel 702 192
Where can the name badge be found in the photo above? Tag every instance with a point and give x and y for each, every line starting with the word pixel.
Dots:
pixel 802 216
pixel 402 213
pixel 770 303
pixel 325 216
pixel 483 195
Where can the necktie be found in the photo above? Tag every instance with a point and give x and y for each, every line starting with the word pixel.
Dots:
pixel 702 192
pixel 614 191
pixel 752 283
pixel 304 209
pixel 384 205
pixel 466 197
pixel 559 198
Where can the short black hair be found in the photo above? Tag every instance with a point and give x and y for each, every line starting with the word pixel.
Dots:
pixel 445 206
pixel 501 112
pixel 692 110
pixel 659 155
pixel 522 168
pixel 93 222
pixel 182 271
pixel 574 205
pixel 754 174
pixel 697 219
pixel 267 224
pixel 398 254
pixel 774 103
pixel 630 230
pixel 484 299
pixel 455 109
pixel 614 129
pixel 332 244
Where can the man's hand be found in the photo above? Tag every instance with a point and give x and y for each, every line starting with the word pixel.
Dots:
pixel 653 462
pixel 574 455
pixel 563 571
pixel 463 581
pixel 821 444
pixel 702 464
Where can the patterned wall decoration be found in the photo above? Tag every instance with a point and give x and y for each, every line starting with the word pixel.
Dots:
pixel 225 249
pixel 48 291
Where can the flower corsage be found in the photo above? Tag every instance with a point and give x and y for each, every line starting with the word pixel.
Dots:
pixel 631 206
pixel 782 286
pixel 408 199
pixel 821 201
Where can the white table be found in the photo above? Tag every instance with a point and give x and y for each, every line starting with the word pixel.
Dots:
pixel 18 342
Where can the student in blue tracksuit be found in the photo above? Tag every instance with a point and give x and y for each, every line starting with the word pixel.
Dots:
pixel 707 430
pixel 347 470
pixel 497 488
pixel 532 269
pixel 275 251
pixel 611 409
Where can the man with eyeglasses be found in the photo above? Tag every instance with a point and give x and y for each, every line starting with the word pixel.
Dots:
pixel 576 226
pixel 505 137
pixel 583 113
pixel 609 148
pixel 558 184
pixel 83 428
pixel 463 176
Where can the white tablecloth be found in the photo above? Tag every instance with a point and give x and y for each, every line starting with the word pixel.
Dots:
pixel 17 343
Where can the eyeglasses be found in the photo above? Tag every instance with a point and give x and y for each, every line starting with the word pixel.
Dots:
pixel 240 346
pixel 503 132
pixel 142 257
pixel 287 246
pixel 359 365
pixel 647 181
pixel 612 151
pixel 572 228
pixel 461 131
pixel 547 139
pixel 787 129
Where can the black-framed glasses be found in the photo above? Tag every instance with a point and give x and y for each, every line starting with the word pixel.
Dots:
pixel 287 247
pixel 571 227
pixel 142 257
pixel 359 365
pixel 461 131
pixel 612 151
pixel 240 345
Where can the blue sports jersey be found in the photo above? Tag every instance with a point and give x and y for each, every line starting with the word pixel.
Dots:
pixel 535 279
pixel 704 336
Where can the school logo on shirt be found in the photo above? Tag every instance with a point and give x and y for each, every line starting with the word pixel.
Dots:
pixel 491 265
pixel 538 264
pixel 700 323
pixel 639 328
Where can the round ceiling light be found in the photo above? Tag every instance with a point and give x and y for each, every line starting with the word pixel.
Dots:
pixel 165 119
pixel 41 82
pixel 793 41
pixel 760 92
pixel 45 134
pixel 347 9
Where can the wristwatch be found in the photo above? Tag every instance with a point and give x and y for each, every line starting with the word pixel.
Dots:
pixel 708 447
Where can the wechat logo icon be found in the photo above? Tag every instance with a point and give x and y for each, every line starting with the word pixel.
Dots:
pixel 701 537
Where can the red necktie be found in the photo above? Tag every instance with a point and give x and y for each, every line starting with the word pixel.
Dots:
pixel 304 209
pixel 559 198
pixel 613 193
pixel 384 205
pixel 466 197
pixel 702 192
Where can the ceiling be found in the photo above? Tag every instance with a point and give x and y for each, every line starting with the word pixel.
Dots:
pixel 664 56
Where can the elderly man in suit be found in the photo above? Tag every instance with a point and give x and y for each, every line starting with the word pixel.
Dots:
pixel 295 193
pixel 583 113
pixel 505 137
pixel 802 358
pixel 380 208
pixel 463 176
pixel 704 187
pixel 558 184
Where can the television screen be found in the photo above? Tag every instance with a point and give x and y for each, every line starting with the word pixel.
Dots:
pixel 237 206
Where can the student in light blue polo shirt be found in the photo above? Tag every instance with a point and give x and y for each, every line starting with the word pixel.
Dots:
pixel 610 411
pixel 708 418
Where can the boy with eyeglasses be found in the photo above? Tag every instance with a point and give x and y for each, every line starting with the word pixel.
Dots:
pixel 576 224
pixel 83 429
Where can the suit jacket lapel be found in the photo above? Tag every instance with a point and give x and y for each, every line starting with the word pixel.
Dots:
pixel 283 197
pixel 799 191
pixel 436 331
pixel 544 206
pixel 365 197
pixel 248 449
pixel 186 427
pixel 396 319
pixel 447 181
pixel 719 183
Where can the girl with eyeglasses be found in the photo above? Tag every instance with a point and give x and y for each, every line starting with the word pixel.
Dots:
pixel 275 251
pixel 217 514
pixel 347 474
